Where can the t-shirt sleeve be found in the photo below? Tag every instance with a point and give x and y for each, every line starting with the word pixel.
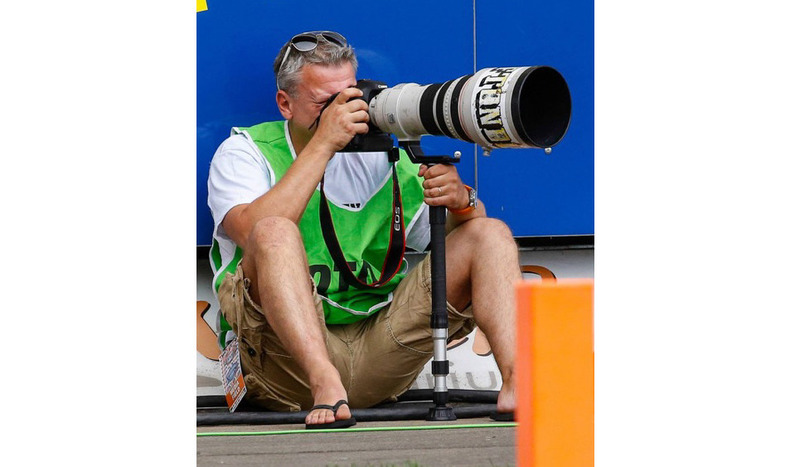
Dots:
pixel 238 175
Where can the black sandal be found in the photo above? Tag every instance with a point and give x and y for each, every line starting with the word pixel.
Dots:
pixel 334 424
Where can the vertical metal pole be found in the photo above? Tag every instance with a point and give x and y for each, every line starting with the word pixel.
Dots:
pixel 440 365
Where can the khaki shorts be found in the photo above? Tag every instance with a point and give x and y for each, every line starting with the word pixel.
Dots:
pixel 378 358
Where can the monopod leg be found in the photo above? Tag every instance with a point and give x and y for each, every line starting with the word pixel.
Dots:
pixel 440 365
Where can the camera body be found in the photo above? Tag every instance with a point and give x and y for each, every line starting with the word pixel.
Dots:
pixel 375 139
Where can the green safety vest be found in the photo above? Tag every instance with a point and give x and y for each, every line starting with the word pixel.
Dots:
pixel 363 234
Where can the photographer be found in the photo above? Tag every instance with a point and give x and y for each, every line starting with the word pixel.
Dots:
pixel 307 344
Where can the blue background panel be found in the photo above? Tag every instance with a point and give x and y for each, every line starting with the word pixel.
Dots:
pixel 422 42
pixel 538 194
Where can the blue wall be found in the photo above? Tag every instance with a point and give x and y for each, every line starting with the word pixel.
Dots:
pixel 422 42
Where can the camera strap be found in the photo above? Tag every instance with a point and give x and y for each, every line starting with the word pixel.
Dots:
pixel 397 239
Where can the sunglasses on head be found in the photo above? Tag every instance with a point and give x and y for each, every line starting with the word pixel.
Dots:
pixel 308 41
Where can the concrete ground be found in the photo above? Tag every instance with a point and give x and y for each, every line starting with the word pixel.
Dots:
pixel 479 442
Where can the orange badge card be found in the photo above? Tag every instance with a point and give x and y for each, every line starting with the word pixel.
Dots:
pixel 232 378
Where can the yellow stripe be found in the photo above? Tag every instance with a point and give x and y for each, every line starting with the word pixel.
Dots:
pixel 201 5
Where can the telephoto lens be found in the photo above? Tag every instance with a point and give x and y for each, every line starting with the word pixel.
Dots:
pixel 501 107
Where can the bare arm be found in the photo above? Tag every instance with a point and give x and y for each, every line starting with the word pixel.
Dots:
pixel 290 195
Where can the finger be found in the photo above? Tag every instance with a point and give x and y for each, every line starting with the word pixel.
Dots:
pixel 435 192
pixel 422 169
pixel 436 200
pixel 356 105
pixel 446 181
pixel 434 179
pixel 347 94
pixel 439 170
pixel 431 172
pixel 360 128
pixel 360 116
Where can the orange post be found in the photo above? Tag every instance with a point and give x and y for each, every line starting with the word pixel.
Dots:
pixel 554 373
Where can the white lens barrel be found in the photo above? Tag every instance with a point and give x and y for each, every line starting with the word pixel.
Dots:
pixel 394 111
pixel 500 107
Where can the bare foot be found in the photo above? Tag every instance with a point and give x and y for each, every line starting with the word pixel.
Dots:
pixel 328 394
pixel 506 399
pixel 326 415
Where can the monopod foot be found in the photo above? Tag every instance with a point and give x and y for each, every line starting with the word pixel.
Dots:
pixel 440 413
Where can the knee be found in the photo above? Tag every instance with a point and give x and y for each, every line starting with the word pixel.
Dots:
pixel 489 230
pixel 273 232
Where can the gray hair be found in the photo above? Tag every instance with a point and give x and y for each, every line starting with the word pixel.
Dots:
pixel 325 53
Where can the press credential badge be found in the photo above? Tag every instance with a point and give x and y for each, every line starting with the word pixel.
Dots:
pixel 232 378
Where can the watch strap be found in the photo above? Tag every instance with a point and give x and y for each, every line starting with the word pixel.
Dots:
pixel 473 201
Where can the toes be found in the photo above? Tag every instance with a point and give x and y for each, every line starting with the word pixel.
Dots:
pixel 320 416
pixel 326 416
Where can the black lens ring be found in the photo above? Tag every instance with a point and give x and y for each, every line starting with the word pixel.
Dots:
pixel 426 109
pixel 454 114
pixel 440 121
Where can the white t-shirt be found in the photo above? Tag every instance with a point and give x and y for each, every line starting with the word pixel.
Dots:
pixel 239 174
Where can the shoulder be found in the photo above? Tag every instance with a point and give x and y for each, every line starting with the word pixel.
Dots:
pixel 238 157
pixel 269 133
pixel 236 147
pixel 234 142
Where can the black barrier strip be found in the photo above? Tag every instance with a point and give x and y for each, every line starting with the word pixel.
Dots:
pixel 396 412
pixel 362 430
pixel 412 395
pixel 455 395
pixel 564 242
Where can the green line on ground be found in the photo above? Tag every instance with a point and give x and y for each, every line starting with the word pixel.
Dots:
pixel 360 430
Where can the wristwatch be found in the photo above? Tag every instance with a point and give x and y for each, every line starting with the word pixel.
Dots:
pixel 473 201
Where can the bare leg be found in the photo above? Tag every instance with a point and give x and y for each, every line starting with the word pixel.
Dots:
pixel 275 262
pixel 482 266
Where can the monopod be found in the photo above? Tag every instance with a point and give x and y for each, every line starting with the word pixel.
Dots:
pixel 440 366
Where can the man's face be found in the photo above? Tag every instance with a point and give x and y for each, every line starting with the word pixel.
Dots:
pixel 318 83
